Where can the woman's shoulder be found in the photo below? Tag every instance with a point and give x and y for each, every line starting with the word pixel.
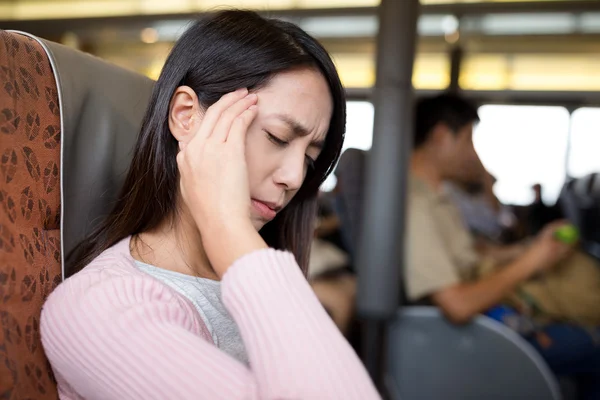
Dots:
pixel 112 285
pixel 114 266
pixel 116 260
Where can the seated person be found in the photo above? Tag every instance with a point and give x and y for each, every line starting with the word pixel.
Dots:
pixel 328 221
pixel 442 265
pixel 484 215
pixel 328 268
pixel 350 174
pixel 488 220
pixel 194 286
pixel 540 213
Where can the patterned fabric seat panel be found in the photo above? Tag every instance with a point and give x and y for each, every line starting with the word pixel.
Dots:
pixel 29 213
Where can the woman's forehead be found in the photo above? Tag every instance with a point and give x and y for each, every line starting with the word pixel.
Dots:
pixel 299 99
pixel 298 86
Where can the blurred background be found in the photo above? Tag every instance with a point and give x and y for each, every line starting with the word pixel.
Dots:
pixel 533 66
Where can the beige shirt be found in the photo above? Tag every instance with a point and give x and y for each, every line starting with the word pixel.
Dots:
pixel 440 250
pixel 440 254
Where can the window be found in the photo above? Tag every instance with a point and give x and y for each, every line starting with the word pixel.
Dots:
pixel 585 142
pixel 359 132
pixel 522 146
pixel 359 125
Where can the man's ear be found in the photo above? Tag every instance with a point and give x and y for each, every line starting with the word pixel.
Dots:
pixel 441 133
pixel 184 114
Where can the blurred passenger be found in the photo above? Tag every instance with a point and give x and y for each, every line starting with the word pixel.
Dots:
pixel 444 268
pixel 337 289
pixel 194 286
pixel 328 221
pixel 541 214
pixel 333 284
pixel 329 270
pixel 488 220
pixel 350 173
pixel 482 212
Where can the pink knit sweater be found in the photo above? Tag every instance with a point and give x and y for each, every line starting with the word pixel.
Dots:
pixel 114 332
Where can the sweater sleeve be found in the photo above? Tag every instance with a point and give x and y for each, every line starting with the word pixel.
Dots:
pixel 129 337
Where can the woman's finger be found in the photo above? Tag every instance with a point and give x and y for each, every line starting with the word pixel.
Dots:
pixel 213 113
pixel 225 122
pixel 239 128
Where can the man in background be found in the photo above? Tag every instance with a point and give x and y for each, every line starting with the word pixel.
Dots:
pixel 442 266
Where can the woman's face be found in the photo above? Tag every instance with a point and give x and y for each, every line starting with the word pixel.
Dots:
pixel 294 111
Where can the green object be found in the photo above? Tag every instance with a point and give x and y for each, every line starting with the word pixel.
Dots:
pixel 567 234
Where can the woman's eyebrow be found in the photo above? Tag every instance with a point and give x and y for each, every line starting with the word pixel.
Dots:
pixel 294 125
pixel 299 129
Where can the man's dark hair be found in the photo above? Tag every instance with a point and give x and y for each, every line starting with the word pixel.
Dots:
pixel 449 109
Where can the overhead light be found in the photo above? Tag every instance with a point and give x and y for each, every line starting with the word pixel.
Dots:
pixel 450 24
pixel 149 35
pixel 452 37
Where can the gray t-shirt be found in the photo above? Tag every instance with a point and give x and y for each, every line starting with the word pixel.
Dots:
pixel 205 295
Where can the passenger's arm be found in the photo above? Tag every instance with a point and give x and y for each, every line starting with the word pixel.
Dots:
pixel 129 337
pixel 461 302
pixel 500 254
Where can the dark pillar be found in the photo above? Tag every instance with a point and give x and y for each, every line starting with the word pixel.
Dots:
pixel 456 55
pixel 381 250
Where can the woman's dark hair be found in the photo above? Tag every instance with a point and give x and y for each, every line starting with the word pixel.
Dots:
pixel 220 53
pixel 450 109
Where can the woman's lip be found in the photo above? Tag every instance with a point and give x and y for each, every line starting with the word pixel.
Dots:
pixel 263 209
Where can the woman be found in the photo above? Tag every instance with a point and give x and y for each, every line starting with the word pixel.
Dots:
pixel 245 122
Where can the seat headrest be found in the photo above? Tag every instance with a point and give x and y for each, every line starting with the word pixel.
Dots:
pixel 102 107
pixel 350 173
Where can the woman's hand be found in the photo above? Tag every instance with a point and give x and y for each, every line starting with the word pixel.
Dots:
pixel 214 180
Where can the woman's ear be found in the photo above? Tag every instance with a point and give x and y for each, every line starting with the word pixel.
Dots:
pixel 184 114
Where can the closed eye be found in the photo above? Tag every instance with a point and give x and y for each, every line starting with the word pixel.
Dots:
pixel 276 140
pixel 310 162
